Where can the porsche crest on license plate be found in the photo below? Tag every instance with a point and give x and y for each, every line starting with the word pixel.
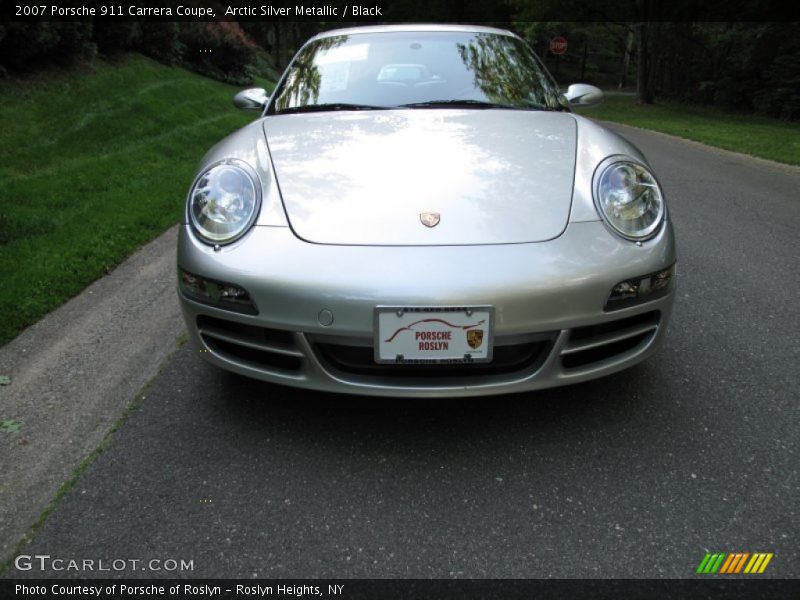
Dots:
pixel 416 335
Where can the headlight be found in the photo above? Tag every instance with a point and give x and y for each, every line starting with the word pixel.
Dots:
pixel 629 198
pixel 224 202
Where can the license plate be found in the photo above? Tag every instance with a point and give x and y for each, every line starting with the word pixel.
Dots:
pixel 418 335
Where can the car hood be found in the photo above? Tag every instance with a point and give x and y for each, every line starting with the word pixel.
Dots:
pixel 492 176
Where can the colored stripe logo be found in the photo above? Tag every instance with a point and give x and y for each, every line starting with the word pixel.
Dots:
pixel 734 563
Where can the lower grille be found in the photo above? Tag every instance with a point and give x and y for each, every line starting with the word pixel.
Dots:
pixel 276 350
pixel 360 360
pixel 258 347
pixel 596 343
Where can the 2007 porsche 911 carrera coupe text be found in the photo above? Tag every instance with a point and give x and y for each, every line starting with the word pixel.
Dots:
pixel 418 211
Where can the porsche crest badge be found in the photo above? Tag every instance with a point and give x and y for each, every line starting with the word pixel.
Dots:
pixel 475 338
pixel 429 219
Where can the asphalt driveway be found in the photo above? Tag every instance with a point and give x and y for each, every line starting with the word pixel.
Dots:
pixel 635 475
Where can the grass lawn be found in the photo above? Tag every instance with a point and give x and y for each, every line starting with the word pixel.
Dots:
pixel 757 136
pixel 94 163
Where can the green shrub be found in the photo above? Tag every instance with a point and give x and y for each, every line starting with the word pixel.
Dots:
pixel 161 41
pixel 221 50
pixel 112 37
pixel 28 44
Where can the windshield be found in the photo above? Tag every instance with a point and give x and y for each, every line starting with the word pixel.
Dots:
pixel 426 69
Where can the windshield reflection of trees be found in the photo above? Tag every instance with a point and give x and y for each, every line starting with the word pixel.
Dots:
pixel 303 83
pixel 502 69
pixel 504 72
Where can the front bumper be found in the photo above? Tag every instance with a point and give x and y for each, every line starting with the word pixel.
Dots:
pixel 548 299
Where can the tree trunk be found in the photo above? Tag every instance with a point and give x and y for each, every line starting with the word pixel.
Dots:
pixel 644 89
pixel 295 41
pixel 277 54
pixel 626 59
pixel 583 63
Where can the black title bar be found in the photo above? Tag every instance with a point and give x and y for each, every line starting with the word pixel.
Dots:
pixel 388 11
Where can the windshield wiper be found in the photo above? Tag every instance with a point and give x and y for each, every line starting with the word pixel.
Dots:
pixel 468 104
pixel 329 106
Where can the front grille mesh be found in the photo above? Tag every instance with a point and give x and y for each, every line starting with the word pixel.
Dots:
pixel 360 360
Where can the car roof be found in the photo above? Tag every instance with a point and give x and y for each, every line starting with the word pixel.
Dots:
pixel 411 27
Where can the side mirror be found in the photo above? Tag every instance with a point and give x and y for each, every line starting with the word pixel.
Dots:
pixel 581 95
pixel 251 99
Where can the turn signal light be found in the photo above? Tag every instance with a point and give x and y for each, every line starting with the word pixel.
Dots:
pixel 641 289
pixel 216 293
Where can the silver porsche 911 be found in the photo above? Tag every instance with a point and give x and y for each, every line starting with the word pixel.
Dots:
pixel 418 212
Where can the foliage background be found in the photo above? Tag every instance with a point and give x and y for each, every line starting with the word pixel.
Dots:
pixel 749 66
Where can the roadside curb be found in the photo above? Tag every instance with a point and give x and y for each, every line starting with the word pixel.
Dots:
pixel 75 373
